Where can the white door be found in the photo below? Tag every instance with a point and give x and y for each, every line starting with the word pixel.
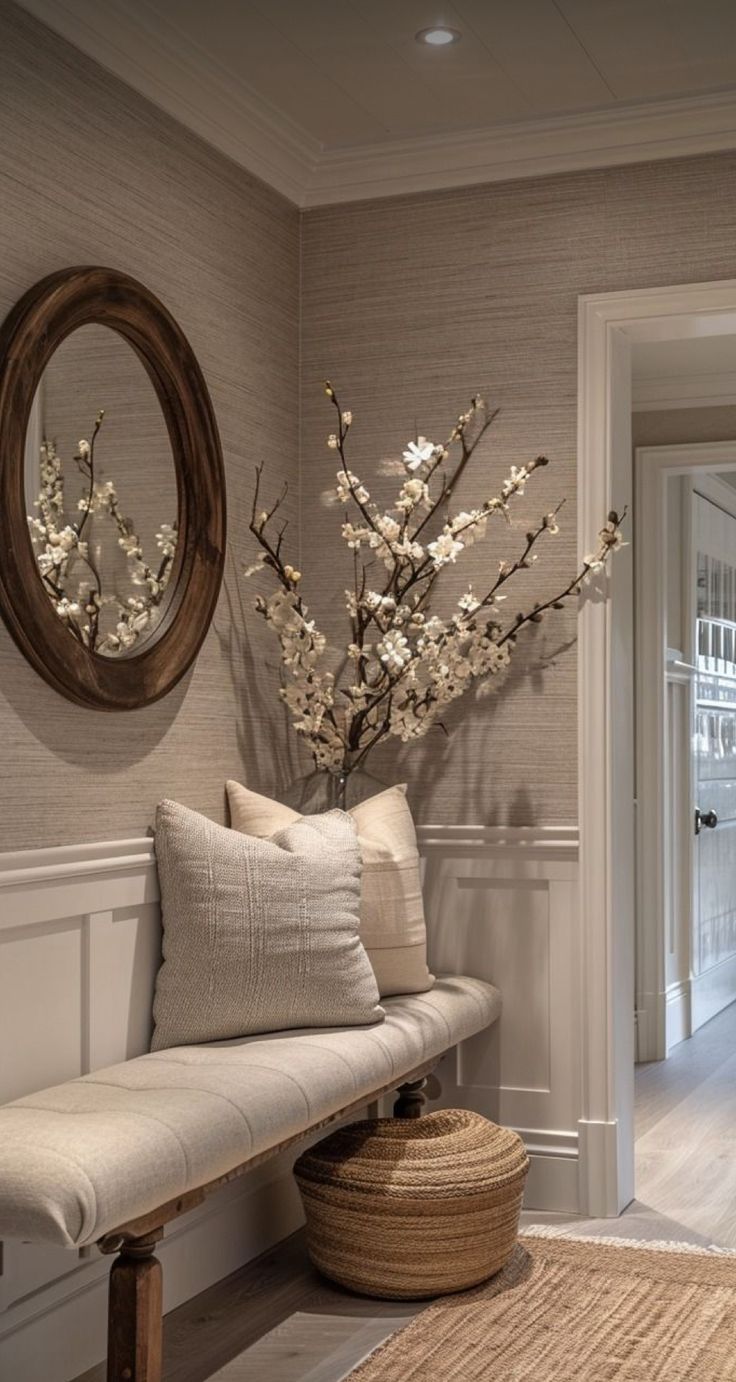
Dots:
pixel 713 931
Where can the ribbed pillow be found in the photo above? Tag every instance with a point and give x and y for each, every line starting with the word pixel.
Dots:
pixel 259 935
pixel 392 925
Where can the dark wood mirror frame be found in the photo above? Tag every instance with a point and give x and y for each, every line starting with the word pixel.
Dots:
pixel 44 317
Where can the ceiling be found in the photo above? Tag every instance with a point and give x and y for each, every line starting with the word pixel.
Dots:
pixel 334 99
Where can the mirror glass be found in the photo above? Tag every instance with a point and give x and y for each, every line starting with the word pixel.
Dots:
pixel 101 492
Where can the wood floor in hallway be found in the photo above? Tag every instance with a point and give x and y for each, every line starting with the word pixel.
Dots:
pixel 686 1132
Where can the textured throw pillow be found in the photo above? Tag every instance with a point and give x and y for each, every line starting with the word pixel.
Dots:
pixel 392 926
pixel 259 935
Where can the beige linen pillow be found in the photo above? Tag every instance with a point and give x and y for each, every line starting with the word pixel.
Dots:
pixel 392 926
pixel 259 935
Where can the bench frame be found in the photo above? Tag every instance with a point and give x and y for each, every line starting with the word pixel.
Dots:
pixel 135 1309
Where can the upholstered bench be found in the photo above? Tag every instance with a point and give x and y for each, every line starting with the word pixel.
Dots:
pixel 111 1158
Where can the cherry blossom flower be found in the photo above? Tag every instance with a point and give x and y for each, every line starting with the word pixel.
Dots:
pixel 394 650
pixel 444 548
pixel 412 493
pixel 418 453
pixel 62 553
pixel 402 664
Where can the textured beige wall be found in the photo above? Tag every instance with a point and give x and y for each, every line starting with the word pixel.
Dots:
pixel 90 173
pixel 675 426
pixel 410 305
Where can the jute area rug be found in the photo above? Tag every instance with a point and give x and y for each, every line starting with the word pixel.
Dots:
pixel 566 1309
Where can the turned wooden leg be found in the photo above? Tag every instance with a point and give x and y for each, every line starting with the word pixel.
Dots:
pixel 410 1102
pixel 135 1315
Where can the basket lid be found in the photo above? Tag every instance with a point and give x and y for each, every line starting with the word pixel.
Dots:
pixel 454 1152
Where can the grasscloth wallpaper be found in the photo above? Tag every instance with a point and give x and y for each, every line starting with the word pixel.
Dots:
pixel 410 305
pixel 675 426
pixel 90 173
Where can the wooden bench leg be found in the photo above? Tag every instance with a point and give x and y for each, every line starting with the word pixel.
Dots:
pixel 411 1100
pixel 135 1313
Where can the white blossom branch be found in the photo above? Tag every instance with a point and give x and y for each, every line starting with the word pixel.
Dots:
pixel 402 665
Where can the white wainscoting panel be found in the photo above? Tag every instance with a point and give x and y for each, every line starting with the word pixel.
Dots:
pixel 502 904
pixel 79 950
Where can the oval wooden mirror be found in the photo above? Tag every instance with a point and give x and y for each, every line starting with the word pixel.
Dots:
pixel 112 490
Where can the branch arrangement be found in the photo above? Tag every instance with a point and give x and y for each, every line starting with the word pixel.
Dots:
pixel 403 665
pixel 70 568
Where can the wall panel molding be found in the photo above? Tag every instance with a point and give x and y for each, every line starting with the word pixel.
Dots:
pixel 559 842
pixel 502 903
pixel 79 950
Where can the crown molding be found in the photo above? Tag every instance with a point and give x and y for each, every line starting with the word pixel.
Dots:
pixel 653 395
pixel 176 74
pixel 534 148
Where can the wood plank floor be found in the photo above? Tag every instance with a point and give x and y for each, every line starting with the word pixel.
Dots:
pixel 309 1331
pixel 686 1132
pixel 278 1321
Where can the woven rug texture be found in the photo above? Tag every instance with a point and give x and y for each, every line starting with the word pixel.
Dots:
pixel 566 1310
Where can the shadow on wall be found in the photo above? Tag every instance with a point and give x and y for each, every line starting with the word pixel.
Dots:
pixel 97 741
pixel 108 743
pixel 425 766
pixel 266 741
pixel 269 747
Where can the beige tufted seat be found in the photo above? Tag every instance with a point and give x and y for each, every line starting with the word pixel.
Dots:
pixel 87 1157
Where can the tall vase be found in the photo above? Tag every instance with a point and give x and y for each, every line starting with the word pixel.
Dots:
pixel 321 790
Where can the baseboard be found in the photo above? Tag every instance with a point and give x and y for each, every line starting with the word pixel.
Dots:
pixel 61 1331
pixel 650 1017
pixel 598 1155
pixel 552 1183
pixel 713 991
pixel 663 1020
pixel 645 1033
pixel 677 1019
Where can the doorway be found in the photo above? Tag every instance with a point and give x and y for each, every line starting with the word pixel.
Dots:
pixel 685 619
pixel 609 327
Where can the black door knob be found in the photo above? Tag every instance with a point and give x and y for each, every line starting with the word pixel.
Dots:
pixel 705 819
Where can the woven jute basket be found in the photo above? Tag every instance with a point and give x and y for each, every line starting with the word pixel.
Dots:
pixel 409 1208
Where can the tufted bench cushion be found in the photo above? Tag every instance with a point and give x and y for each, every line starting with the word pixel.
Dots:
pixel 81 1159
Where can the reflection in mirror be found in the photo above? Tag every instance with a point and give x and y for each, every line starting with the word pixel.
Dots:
pixel 101 492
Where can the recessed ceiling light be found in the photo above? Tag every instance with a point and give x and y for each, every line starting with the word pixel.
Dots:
pixel 438 37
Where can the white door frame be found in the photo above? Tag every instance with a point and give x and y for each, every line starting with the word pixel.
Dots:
pixel 609 323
